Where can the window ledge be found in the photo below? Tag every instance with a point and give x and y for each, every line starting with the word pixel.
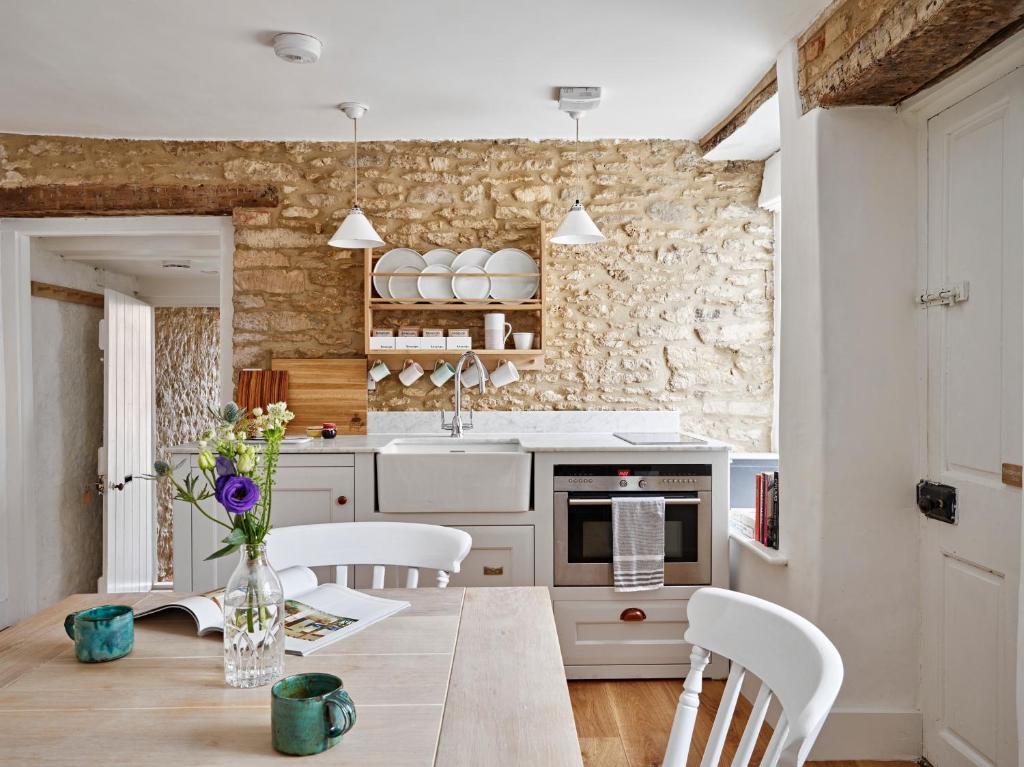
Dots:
pixel 738 533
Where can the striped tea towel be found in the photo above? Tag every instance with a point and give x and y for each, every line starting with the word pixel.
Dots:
pixel 638 543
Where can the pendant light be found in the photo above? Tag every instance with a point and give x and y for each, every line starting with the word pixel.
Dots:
pixel 355 231
pixel 577 227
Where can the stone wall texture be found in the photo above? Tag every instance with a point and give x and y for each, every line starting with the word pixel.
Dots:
pixel 672 311
pixel 187 383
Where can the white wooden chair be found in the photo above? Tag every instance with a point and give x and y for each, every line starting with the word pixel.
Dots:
pixel 795 662
pixel 381 544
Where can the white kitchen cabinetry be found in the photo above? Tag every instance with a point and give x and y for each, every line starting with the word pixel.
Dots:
pixel 309 489
pixel 501 556
pixel 600 633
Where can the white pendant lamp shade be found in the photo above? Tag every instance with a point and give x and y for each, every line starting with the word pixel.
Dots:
pixel 356 231
pixel 577 228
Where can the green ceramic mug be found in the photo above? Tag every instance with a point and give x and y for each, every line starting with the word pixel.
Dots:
pixel 102 633
pixel 309 713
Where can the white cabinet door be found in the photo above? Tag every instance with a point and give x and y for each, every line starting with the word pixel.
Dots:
pixel 971 569
pixel 601 633
pixel 303 495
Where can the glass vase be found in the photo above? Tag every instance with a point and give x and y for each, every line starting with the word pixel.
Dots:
pixel 253 621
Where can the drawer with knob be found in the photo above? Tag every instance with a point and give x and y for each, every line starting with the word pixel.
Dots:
pixel 502 555
pixel 618 632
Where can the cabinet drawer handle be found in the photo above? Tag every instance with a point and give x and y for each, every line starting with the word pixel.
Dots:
pixel 342 500
pixel 494 570
pixel 632 614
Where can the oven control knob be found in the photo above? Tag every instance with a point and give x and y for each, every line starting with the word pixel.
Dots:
pixel 623 483
pixel 643 483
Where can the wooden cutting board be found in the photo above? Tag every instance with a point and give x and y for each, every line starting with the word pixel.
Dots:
pixel 258 388
pixel 326 390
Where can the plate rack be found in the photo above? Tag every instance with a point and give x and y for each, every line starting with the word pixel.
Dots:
pixel 376 309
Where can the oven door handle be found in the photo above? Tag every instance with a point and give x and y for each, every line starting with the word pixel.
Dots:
pixel 606 501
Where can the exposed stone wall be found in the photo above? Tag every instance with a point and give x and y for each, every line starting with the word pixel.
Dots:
pixel 187 383
pixel 671 312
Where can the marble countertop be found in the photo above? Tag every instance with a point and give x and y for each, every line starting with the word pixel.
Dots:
pixel 569 442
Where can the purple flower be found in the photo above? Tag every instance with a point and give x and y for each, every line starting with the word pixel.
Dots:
pixel 225 466
pixel 236 494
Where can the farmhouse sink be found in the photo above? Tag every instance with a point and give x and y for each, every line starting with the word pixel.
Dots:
pixel 441 474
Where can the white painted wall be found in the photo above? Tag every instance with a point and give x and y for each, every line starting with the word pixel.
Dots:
pixel 848 426
pixel 67 375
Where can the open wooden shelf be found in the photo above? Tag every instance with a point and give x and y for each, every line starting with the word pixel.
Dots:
pixel 532 359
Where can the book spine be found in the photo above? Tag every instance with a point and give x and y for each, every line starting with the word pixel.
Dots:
pixel 775 511
pixel 757 506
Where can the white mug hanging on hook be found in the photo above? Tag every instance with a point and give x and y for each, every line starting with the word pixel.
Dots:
pixel 412 371
pixel 504 374
pixel 496 331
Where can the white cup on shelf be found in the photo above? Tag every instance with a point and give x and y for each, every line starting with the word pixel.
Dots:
pixel 523 341
pixel 412 371
pixel 504 374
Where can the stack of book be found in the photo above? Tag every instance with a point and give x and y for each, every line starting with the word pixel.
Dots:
pixel 766 509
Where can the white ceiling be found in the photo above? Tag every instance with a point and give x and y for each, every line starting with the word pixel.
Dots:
pixel 430 69
pixel 143 255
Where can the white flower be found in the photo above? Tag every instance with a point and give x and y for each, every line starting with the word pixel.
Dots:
pixel 257 411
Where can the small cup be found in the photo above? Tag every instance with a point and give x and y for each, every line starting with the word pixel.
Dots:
pixel 471 377
pixel 411 373
pixel 101 633
pixel 443 371
pixel 314 431
pixel 504 374
pixel 309 713
pixel 379 371
pixel 523 341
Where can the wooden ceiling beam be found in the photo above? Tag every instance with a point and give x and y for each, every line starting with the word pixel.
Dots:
pixel 766 87
pixel 133 199
pixel 883 52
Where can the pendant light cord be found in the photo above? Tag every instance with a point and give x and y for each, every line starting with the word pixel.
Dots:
pixel 355 142
pixel 576 163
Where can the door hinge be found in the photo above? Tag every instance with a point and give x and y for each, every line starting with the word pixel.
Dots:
pixel 953 294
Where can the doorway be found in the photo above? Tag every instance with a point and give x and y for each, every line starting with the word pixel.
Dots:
pixel 118 349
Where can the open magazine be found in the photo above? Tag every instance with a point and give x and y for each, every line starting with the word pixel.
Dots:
pixel 315 615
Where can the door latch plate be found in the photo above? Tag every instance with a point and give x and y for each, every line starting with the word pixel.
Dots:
pixel 937 501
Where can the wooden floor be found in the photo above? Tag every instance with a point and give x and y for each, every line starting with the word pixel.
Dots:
pixel 626 724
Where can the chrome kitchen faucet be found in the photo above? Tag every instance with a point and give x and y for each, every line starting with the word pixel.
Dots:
pixel 456 427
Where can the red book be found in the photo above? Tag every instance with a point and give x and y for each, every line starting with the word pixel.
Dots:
pixel 758 497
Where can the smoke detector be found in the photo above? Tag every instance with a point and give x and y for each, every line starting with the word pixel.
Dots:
pixel 297 48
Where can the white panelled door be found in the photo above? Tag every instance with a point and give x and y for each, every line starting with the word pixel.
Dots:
pixel 127 337
pixel 970 571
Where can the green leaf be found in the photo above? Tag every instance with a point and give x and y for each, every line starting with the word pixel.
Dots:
pixel 235 538
pixel 230 548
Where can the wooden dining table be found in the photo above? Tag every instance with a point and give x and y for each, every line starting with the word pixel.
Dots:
pixel 461 677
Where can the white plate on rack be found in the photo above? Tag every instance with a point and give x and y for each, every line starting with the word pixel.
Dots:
pixel 439 256
pixel 513 261
pixel 471 257
pixel 392 261
pixel 435 282
pixel 404 288
pixel 471 283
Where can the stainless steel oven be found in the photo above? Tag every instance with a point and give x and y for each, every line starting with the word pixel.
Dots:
pixel 583 519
